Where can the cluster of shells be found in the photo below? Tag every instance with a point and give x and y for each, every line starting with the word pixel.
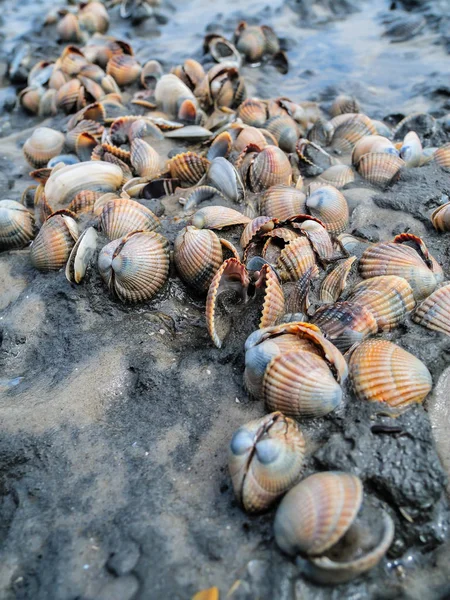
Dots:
pixel 273 171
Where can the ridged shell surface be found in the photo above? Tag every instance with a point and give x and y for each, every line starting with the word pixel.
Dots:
pixel 122 216
pixel 338 176
pixel 188 167
pixel 16 225
pixel 217 217
pixel 317 512
pixel 270 167
pixel 56 238
pixel 282 202
pixel 434 312
pixel 198 256
pixel 330 206
pixel 265 460
pixel 144 158
pixel 442 156
pixel 44 144
pixel 296 258
pixel 334 283
pixel 380 168
pixel 124 68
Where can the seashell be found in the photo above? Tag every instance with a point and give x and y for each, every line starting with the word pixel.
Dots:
pixel 65 159
pixel 64 184
pixel 442 156
pixel 244 135
pixel 200 194
pixel 218 217
pixel 51 248
pixel 349 243
pixel 122 216
pixel 198 256
pixel 282 202
pixel 350 131
pixel 295 259
pixel 300 384
pixel 68 29
pixel 345 323
pixel 441 217
pixel 265 460
pixel 338 176
pixel 44 144
pixel 94 17
pixel 328 204
pixel 391 258
pixel 275 242
pixel 124 69
pixel 92 90
pixel 316 233
pixel 84 202
pixel 67 95
pixel 47 104
pixel 189 132
pixel 221 49
pixel 135 267
pixel 221 146
pixel 92 112
pixel 250 41
pixel 223 176
pixel 411 150
pixel 42 209
pixel 344 104
pixel 85 145
pixel 381 371
pixel 256 227
pixel 380 168
pixel 190 72
pixel 170 93
pixel 326 518
pixel 30 98
pixel 151 73
pixel 389 298
pixel 85 126
pixel 231 273
pixel 422 123
pixel 253 112
pixel 81 255
pixel 273 303
pixel 434 312
pixel 40 73
pixel 313 160
pixel 285 130
pixel 226 85
pixel 297 302
pixel 17 227
pixel 371 144
pixel 144 159
pixel 334 283
pixel 270 167
pixel 321 132
pixel 188 167
pixel 71 61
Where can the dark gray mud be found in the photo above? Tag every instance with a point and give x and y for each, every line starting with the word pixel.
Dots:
pixel 116 420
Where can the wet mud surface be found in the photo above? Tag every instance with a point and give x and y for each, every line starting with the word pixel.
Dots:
pixel 116 420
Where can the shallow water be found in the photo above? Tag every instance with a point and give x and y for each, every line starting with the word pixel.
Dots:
pixel 113 454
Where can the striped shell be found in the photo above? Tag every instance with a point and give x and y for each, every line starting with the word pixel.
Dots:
pixel 257 227
pixel 344 104
pixel 64 184
pixel 67 97
pixel 285 131
pixel 56 238
pixel 345 323
pixel 300 384
pixel 198 256
pixel 273 302
pixel 170 93
pixel 253 112
pixel 84 202
pixel 389 298
pixel 434 312
pixel 81 255
pixel 316 233
pixel 144 159
pixel 352 128
pixel 442 156
pixel 44 144
pixel 135 267
pixel 265 460
pixel 334 283
pixel 270 167
pixel 282 201
pixel 217 217
pixel 317 512
pixel 17 227
pixel 231 271
pixel 381 371
pixel 330 206
pixel 390 258
pixel 441 217
pixel 296 258
pixel 379 168
pixel 125 69
pixel 337 176
pixel 372 144
pixel 122 216
pixel 188 167
pixel 223 176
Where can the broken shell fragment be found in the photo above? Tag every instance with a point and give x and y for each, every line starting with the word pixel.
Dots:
pixel 265 460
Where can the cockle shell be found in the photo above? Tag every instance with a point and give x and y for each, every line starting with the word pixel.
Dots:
pixel 330 206
pixel 84 202
pixel 434 312
pixel 337 175
pixel 389 298
pixel 198 256
pixel 44 144
pixel 316 233
pixel 282 202
pixel 441 156
pixel 124 69
pixel 352 128
pixel 380 168
pixel 81 255
pixel 265 459
pixel 17 226
pixel 344 104
pixel 224 177
pixel 381 371
pixel 65 183
pixel 285 131
pixel 441 217
pixel 144 159
pixel 296 258
pixel 122 216
pixel 253 112
pixel 391 258
pixel 324 517
pixel 217 217
pixel 270 167
pixel 372 144
pixel 67 96
pixel 56 238
pixel 334 283
pixel 136 266
pixel 188 167
pixel 170 93
pixel 411 150
pixel 256 227
pixel 273 302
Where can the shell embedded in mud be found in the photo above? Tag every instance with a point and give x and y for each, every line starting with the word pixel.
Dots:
pixel 381 371
pixel 265 460
pixel 17 226
pixel 198 256
pixel 330 206
pixel 434 312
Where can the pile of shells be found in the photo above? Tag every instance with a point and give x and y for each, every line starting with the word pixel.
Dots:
pixel 270 176
pixel 78 24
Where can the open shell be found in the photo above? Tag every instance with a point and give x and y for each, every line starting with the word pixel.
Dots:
pixel 296 258
pixel 81 255
pixel 334 283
